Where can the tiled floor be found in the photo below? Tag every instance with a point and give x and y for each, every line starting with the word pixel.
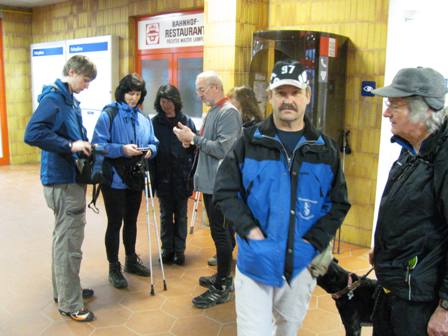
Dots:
pixel 26 301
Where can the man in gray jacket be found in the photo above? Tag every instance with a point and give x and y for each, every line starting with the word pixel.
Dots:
pixel 222 126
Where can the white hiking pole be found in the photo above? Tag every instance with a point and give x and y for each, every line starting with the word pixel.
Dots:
pixel 156 229
pixel 148 227
pixel 194 215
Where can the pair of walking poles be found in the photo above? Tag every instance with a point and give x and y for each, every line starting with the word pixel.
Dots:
pixel 149 195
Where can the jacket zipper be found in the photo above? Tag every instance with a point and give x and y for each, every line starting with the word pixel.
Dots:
pixel 290 161
pixel 288 158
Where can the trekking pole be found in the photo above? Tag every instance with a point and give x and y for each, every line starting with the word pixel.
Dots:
pixel 148 227
pixel 156 229
pixel 345 149
pixel 194 215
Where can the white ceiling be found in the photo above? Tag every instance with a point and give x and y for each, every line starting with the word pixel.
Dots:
pixel 28 3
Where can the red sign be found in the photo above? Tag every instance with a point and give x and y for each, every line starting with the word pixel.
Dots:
pixel 152 34
pixel 328 46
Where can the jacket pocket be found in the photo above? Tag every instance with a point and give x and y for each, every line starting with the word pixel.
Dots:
pixel 304 253
pixel 315 180
pixel 261 259
pixel 426 277
pixel 392 275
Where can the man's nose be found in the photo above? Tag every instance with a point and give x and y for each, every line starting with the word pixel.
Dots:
pixel 387 112
pixel 286 98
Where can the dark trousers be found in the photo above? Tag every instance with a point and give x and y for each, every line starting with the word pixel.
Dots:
pixel 221 237
pixel 397 317
pixel 122 206
pixel 173 224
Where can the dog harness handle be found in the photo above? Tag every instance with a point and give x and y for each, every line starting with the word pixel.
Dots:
pixel 351 286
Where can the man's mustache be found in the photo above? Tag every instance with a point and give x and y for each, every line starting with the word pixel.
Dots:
pixel 286 106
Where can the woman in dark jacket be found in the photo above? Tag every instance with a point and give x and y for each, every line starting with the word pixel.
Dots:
pixel 171 170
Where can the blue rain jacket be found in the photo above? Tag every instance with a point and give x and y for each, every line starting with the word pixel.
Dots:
pixel 298 202
pixel 56 122
pixel 129 126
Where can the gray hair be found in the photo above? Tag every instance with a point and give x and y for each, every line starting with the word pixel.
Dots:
pixel 211 78
pixel 82 65
pixel 418 113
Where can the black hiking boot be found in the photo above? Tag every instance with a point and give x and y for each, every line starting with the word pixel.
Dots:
pixel 207 281
pixel 167 257
pixel 134 265
pixel 179 258
pixel 212 297
pixel 116 278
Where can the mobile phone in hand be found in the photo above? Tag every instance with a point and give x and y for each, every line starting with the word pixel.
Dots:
pixel 144 149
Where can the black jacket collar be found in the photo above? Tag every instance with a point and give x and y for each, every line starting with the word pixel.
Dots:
pixel 268 128
pixel 163 120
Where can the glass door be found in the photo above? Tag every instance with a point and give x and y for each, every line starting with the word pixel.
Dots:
pixel 189 65
pixel 178 67
pixel 155 70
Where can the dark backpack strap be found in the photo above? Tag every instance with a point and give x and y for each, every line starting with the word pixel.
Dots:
pixel 112 113
pixel 95 194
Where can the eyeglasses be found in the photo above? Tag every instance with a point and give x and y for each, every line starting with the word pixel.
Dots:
pixel 394 106
pixel 201 90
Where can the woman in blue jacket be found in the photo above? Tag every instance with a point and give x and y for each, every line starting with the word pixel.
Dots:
pixel 172 169
pixel 127 137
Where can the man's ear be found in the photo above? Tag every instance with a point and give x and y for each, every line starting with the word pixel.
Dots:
pixel 308 93
pixel 71 72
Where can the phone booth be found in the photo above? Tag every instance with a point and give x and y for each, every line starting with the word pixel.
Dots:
pixel 323 54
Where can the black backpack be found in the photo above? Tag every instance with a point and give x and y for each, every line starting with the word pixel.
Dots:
pixel 102 167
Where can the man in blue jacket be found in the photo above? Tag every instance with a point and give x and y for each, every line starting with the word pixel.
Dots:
pixel 283 188
pixel 56 128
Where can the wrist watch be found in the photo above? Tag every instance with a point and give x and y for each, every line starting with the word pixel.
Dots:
pixel 444 304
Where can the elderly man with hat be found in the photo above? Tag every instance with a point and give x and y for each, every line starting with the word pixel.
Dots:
pixel 283 188
pixel 411 237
